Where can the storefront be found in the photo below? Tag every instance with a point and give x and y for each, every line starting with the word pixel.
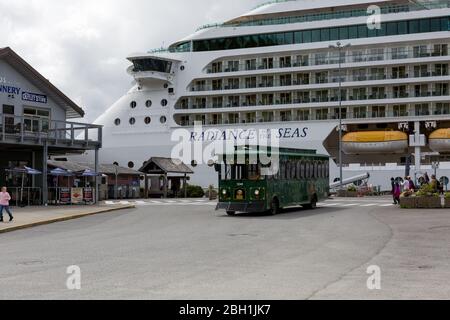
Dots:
pixel 35 125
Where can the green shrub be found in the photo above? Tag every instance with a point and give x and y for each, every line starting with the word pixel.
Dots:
pixel 427 191
pixel 195 191
pixel 352 188
pixel 447 195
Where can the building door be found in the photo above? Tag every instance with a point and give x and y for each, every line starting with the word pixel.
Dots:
pixel 36 120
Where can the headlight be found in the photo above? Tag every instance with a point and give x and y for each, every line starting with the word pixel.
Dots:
pixel 224 192
pixel 257 192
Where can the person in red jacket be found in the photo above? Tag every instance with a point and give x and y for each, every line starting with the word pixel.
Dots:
pixel 4 204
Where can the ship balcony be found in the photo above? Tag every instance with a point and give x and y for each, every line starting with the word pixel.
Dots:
pixel 317 101
pixel 34 132
pixel 329 60
pixel 327 82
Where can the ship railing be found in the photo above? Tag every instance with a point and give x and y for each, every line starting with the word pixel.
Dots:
pixel 330 58
pixel 318 116
pixel 341 14
pixel 323 80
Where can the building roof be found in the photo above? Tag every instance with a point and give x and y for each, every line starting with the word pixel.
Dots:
pixel 72 109
pixel 108 169
pixel 165 165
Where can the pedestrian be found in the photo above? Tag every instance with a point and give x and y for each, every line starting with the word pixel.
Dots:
pixel 397 193
pixel 434 183
pixel 393 190
pixel 412 186
pixel 4 204
pixel 406 184
pixel 427 178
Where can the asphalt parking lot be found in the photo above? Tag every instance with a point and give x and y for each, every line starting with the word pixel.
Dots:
pixel 189 251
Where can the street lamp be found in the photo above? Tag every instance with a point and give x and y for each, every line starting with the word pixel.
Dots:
pixel 339 47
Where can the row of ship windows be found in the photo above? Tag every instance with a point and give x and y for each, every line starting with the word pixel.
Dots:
pixel 324 34
pixel 321 77
pixel 147 120
pixel 358 112
pixel 148 103
pixel 194 164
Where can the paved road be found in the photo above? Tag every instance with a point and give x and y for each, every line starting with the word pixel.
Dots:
pixel 193 252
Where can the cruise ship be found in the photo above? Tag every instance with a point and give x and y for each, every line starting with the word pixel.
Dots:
pixel 375 71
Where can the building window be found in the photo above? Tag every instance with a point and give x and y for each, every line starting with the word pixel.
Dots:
pixel 164 102
pixel 117 122
pixel 133 104
pixel 163 119
pixel 148 103
pixel 148 120
pixel 132 121
pixel 131 164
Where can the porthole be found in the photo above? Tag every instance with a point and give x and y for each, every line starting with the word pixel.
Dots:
pixel 194 163
pixel 211 163
pixel 133 104
pixel 163 119
pixel 148 120
pixel 116 163
pixel 182 68
pixel 131 164
pixel 166 86
pixel 117 122
pixel 148 103
pixel 164 102
pixel 132 121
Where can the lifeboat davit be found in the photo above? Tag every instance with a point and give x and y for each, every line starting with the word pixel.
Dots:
pixel 367 142
pixel 440 140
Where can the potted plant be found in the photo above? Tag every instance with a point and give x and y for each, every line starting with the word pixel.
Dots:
pixel 428 198
pixel 447 200
pixel 352 191
pixel 408 200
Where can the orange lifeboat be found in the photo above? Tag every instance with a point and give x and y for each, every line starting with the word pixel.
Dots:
pixel 440 140
pixel 367 142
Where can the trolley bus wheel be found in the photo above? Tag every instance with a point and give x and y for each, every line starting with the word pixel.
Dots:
pixel 231 213
pixel 274 207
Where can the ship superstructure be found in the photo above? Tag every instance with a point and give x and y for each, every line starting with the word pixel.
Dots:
pixel 280 67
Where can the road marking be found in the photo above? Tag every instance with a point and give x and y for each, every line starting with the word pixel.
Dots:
pixel 369 205
pixel 351 204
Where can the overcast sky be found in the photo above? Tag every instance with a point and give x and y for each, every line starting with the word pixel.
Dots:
pixel 81 45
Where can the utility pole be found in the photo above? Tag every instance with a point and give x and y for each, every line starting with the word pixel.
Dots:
pixel 339 47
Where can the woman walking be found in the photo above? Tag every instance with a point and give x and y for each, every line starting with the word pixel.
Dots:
pixel 4 204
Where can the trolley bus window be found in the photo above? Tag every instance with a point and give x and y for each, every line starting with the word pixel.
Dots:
pixel 241 172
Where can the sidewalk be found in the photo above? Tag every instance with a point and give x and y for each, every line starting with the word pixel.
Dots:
pixel 35 216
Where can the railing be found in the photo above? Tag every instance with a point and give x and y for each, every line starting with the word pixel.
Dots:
pixel 25 196
pixel 324 80
pixel 331 58
pixel 35 130
pixel 319 99
pixel 319 117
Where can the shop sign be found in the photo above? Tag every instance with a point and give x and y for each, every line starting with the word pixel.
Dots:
pixel 88 195
pixel 64 195
pixel 34 97
pixel 77 195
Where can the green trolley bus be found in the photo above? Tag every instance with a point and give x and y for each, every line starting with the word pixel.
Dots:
pixel 302 179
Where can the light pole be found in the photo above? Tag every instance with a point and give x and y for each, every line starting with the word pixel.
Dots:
pixel 339 47
pixel 116 172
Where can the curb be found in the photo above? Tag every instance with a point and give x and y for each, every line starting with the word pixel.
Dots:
pixel 62 219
